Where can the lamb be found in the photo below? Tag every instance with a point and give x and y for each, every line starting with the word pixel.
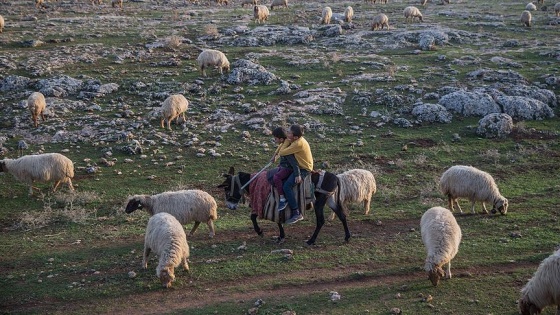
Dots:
pixel 40 168
pixel 348 14
pixel 379 21
pixel 248 2
pixel 215 58
pixel 1 23
pixel 185 205
pixel 557 9
pixel 441 236
pixel 174 106
pixel 36 104
pixel 530 6
pixel 356 185
pixel 326 15
pixel 260 13
pixel 543 289
pixel 278 3
pixel 470 182
pixel 411 13
pixel 165 237
pixel 526 18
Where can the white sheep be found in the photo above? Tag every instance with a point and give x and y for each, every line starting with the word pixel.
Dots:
pixel 2 23
pixel 213 58
pixel 185 205
pixel 260 13
pixel 278 3
pixel 379 21
pixel 174 106
pixel 36 104
pixel 543 289
pixel 441 236
pixel 470 182
pixel 557 9
pixel 348 14
pixel 526 18
pixel 166 238
pixel 326 15
pixel 356 185
pixel 412 12
pixel 249 2
pixel 530 6
pixel 40 168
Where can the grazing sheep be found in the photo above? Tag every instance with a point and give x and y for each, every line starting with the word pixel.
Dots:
pixel 356 185
pixel 248 2
pixel 278 3
pixel 379 21
pixel 220 2
pixel 470 182
pixel 348 14
pixel 185 205
pixel 96 2
pixel 117 3
pixel 1 23
pixel 530 6
pixel 40 168
pixel 557 9
pixel 165 237
pixel 411 13
pixel 543 289
pixel 174 106
pixel 441 236
pixel 260 13
pixel 526 18
pixel 215 58
pixel 326 15
pixel 36 104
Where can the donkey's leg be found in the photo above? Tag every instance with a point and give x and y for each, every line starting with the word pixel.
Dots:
pixel 320 201
pixel 282 236
pixel 256 225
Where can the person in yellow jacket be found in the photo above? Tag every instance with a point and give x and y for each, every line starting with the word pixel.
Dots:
pixel 299 147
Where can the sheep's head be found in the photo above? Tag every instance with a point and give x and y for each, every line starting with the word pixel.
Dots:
pixel 2 166
pixel 166 276
pixel 134 203
pixel 527 307
pixel 500 205
pixel 435 274
pixel 420 18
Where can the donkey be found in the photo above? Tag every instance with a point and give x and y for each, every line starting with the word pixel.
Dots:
pixel 326 184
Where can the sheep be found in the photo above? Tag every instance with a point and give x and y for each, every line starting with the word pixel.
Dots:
pixel 39 4
pixel 348 14
pixel 356 185
pixel 543 289
pixel 526 18
pixel 470 182
pixel 1 23
pixel 326 15
pixel 260 13
pixel 278 3
pixel 379 21
pixel 249 2
pixel 185 205
pixel 441 236
pixel 40 168
pixel 411 13
pixel 212 57
pixel 117 3
pixel 36 104
pixel 557 9
pixel 530 6
pixel 174 106
pixel 220 2
pixel 166 238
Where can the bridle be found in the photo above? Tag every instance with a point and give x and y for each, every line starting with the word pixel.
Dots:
pixel 235 180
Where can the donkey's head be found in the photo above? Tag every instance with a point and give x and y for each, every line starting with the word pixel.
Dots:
pixel 231 186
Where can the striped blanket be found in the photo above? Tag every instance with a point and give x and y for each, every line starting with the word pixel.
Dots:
pixel 263 198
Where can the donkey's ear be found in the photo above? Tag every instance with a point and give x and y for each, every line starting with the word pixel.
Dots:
pixel 231 171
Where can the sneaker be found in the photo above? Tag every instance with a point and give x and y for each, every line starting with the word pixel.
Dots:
pixel 282 205
pixel 295 218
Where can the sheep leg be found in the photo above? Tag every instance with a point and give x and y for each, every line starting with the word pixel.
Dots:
pixel 162 120
pixel 202 70
pixel 145 257
pixel 210 224
pixel 186 264
pixel 196 224
pixel 366 206
pixel 70 185
pixel 56 185
pixel 448 275
pixel 484 207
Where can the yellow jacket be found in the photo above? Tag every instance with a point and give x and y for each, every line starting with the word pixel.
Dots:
pixel 301 150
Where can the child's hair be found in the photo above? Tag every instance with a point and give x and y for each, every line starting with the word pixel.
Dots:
pixel 296 130
pixel 279 132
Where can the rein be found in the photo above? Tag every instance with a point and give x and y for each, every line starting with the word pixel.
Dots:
pixel 318 187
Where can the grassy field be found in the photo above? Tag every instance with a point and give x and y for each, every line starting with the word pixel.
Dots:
pixel 72 253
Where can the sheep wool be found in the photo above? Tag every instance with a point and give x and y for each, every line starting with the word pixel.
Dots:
pixel 260 13
pixel 1 24
pixel 348 14
pixel 213 58
pixel 543 289
pixel 530 6
pixel 36 104
pixel 40 168
pixel 470 182
pixel 412 12
pixel 185 205
pixel 278 3
pixel 166 238
pixel 326 15
pixel 356 185
pixel 441 236
pixel 379 21
pixel 174 106
pixel 526 18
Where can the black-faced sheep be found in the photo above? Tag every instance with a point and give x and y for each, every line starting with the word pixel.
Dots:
pixel 379 21
pixel 213 58
pixel 40 168
pixel 326 15
pixel 348 14
pixel 165 237
pixel 412 12
pixel 1 24
pixel 470 182
pixel 543 289
pixel 260 13
pixel 441 236
pixel 36 104
pixel 174 106
pixel 278 3
pixel 185 205
pixel 356 185
pixel 526 18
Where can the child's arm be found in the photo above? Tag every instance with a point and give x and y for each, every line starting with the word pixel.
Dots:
pixel 293 163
